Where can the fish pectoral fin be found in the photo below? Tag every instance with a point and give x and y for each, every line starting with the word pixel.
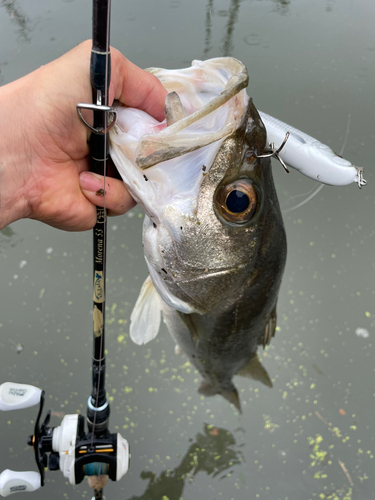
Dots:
pixel 255 370
pixel 146 315
pixel 269 329
pixel 173 109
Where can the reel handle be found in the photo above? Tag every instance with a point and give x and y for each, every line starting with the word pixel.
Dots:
pixel 18 396
pixel 18 481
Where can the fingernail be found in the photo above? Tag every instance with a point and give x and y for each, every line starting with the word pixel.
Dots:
pixel 91 182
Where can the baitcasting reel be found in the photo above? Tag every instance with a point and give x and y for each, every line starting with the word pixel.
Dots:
pixel 70 450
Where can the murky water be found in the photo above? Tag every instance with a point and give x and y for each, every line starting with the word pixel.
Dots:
pixel 311 64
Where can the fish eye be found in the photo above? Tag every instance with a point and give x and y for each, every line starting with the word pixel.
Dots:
pixel 237 201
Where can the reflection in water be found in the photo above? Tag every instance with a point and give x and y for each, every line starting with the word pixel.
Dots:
pixel 329 5
pixel 8 238
pixel 207 39
pixel 213 452
pixel 17 18
pixel 228 36
pixel 282 6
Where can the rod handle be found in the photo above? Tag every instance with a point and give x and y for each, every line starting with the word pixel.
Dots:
pixel 18 481
pixel 18 396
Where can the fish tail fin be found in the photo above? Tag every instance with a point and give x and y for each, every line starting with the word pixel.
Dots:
pixel 146 315
pixel 233 398
pixel 231 395
pixel 256 371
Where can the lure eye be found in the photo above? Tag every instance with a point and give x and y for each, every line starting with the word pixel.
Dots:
pixel 238 201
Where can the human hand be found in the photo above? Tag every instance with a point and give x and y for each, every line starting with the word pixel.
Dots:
pixel 44 151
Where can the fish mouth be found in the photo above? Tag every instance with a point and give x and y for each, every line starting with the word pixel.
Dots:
pixel 174 155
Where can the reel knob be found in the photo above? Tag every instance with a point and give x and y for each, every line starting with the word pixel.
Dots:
pixel 18 396
pixel 15 482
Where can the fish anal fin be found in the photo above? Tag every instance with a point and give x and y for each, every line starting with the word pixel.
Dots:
pixel 256 371
pixel 146 315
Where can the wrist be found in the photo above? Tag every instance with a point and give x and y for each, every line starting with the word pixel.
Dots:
pixel 13 156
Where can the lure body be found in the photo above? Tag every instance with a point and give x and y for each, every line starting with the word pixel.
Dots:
pixel 310 156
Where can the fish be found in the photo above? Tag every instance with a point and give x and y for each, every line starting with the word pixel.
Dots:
pixel 213 235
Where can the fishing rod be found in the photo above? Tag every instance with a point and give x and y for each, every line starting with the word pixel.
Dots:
pixel 97 453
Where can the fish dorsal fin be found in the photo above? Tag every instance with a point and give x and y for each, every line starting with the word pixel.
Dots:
pixel 255 370
pixel 173 109
pixel 146 315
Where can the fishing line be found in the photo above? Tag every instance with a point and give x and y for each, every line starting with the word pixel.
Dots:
pixel 305 201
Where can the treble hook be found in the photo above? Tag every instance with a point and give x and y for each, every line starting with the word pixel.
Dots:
pixel 275 152
pixel 360 180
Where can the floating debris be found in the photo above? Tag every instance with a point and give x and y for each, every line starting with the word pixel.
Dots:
pixel 19 348
pixel 345 470
pixel 362 332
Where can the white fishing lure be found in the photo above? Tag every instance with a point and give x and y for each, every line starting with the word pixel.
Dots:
pixel 309 156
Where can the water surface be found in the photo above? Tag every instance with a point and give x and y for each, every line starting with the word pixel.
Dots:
pixel 311 64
